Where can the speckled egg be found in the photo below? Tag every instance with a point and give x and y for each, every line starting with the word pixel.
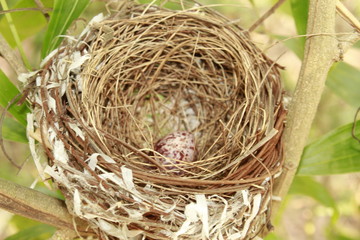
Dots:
pixel 176 147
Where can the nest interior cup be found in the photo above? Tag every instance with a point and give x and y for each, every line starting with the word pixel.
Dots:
pixel 103 101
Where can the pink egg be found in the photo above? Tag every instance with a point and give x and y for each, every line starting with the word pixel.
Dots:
pixel 177 147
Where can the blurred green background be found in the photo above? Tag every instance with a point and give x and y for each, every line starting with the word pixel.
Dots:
pixel 318 207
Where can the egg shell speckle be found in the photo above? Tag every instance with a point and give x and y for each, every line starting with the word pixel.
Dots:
pixel 177 147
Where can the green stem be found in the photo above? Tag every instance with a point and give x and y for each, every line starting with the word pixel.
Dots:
pixel 15 33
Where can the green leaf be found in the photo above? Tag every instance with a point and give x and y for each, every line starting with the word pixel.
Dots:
pixel 27 23
pixel 7 94
pixel 37 232
pixel 343 79
pixel 272 236
pixel 14 131
pixel 336 152
pixel 64 13
pixel 40 186
pixel 300 9
pixel 20 222
pixel 309 187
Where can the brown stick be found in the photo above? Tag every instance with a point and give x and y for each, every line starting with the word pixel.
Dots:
pixel 320 52
pixel 266 15
pixel 35 205
pixel 15 62
pixel 347 16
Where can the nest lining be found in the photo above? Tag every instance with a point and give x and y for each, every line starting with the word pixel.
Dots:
pixel 102 101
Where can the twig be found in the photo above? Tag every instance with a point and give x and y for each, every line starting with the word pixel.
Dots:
pixel 320 52
pixel 43 10
pixel 347 16
pixel 266 15
pixel 63 234
pixel 10 56
pixel 32 204
pixel 349 39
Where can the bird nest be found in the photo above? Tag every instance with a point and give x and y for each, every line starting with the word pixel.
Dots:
pixel 161 124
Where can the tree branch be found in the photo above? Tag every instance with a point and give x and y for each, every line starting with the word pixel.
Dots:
pixel 9 54
pixel 32 204
pixel 321 49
